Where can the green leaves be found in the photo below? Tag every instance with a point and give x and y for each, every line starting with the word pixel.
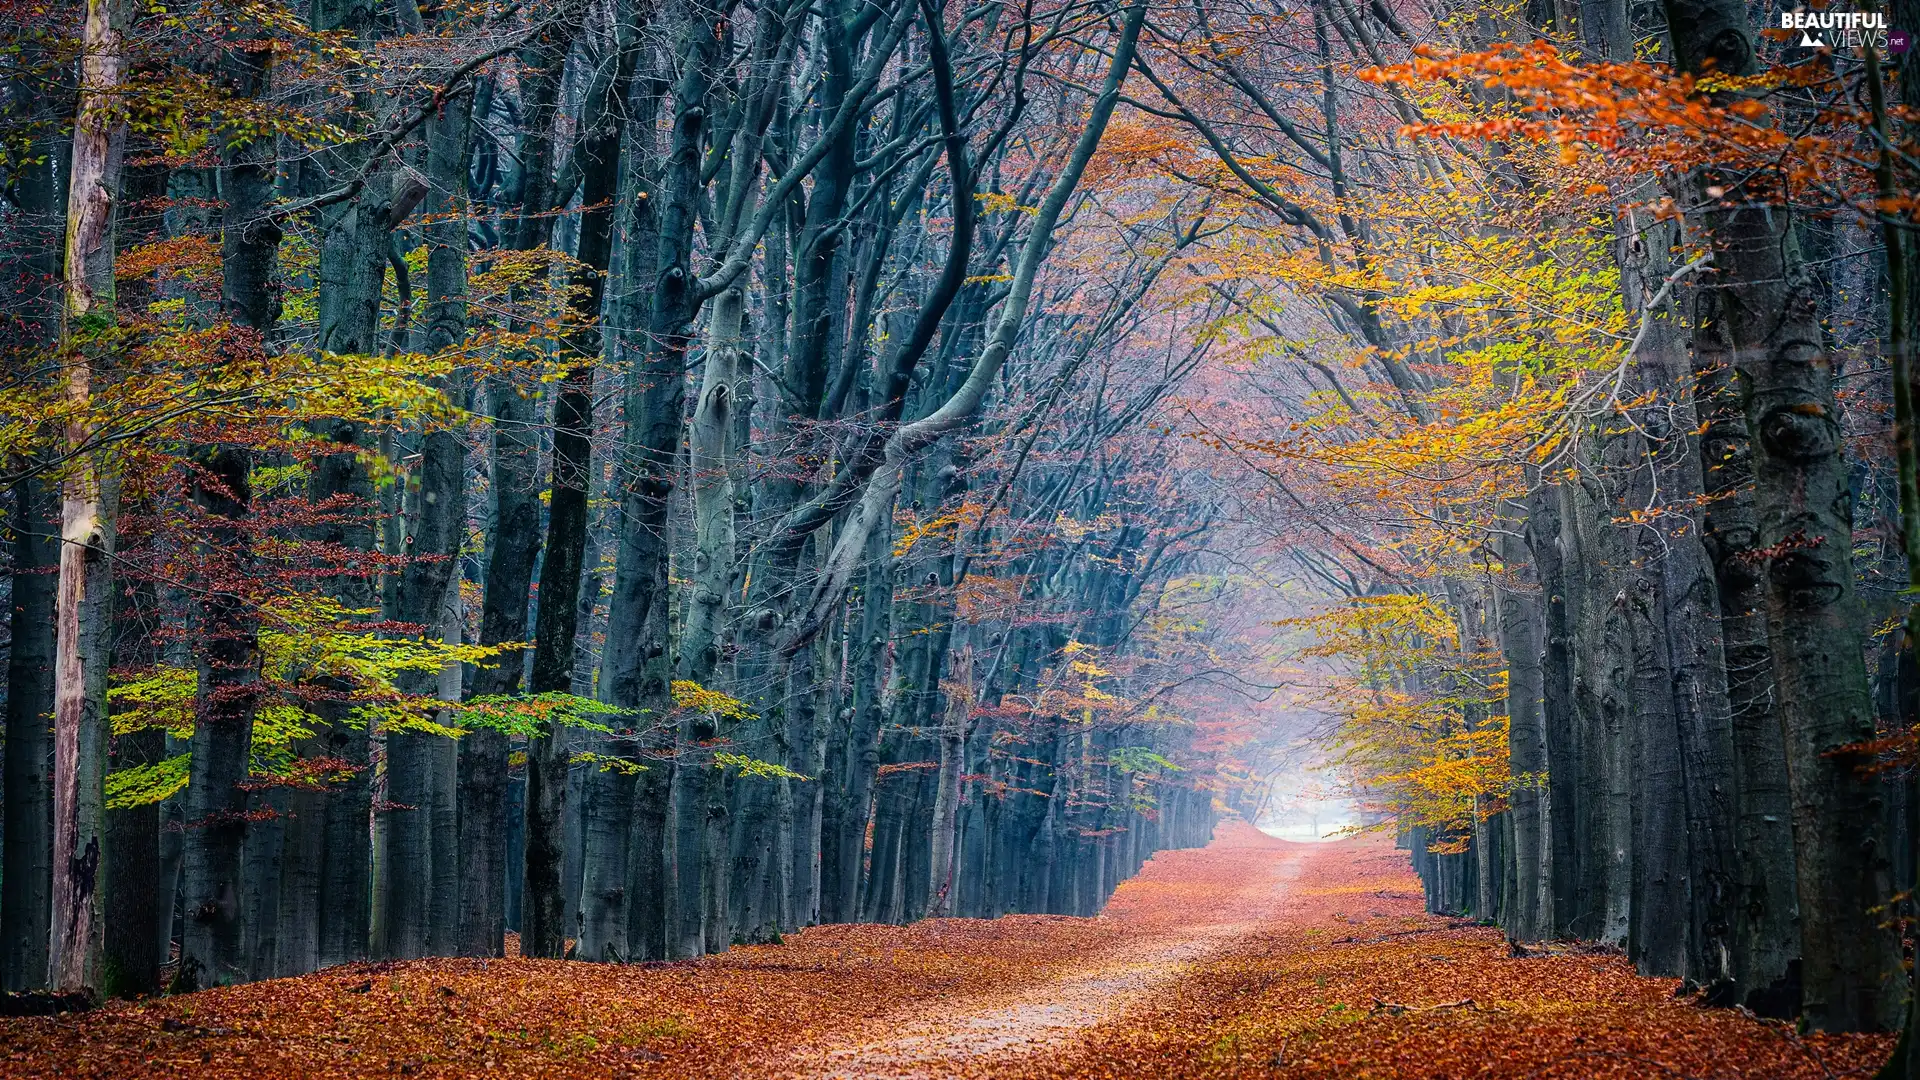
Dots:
pixel 607 762
pixel 747 766
pixel 1139 759
pixel 536 714
pixel 143 785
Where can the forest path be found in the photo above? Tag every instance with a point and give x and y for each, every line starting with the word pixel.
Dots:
pixel 1163 938
pixel 1250 959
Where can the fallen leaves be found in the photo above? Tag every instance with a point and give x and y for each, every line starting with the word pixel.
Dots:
pixel 1251 958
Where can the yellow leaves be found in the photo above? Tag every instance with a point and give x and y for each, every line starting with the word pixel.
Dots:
pixel 1505 317
pixel 1390 632
pixel 304 640
pixel 306 637
pixel 995 202
pixel 400 388
pixel 1463 774
pixel 606 762
pixel 181 370
pixel 1420 732
pixel 944 526
pixel 184 377
pixel 690 695
pixel 1074 687
pixel 409 718
pixel 278 724
pixel 158 697
pixel 142 785
pixel 751 767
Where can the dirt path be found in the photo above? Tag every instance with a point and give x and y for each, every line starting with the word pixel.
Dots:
pixel 1252 958
pixel 998 1028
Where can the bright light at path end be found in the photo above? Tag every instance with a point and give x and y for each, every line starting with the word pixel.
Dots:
pixel 1308 820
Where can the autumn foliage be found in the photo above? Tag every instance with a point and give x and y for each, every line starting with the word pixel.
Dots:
pixel 1250 958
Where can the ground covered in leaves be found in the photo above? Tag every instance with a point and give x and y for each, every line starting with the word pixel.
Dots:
pixel 1251 958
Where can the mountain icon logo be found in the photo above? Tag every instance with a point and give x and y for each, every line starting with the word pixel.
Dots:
pixel 1808 41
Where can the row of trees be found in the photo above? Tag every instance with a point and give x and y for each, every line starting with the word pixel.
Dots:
pixel 1573 378
pixel 644 476
pixel 661 477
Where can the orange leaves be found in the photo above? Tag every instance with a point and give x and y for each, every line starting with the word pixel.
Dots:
pixel 1252 958
pixel 985 596
pixel 189 256
pixel 1350 979
pixel 944 526
pixel 1641 118
pixel 1463 775
pixel 1134 147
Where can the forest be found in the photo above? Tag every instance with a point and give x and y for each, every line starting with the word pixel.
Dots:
pixel 719 534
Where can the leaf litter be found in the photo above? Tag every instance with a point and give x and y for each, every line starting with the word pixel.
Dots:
pixel 1253 957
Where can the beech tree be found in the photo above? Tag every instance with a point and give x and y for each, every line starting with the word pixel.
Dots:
pixel 619 480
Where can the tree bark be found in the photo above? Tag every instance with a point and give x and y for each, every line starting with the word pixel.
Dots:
pixel 213 952
pixel 1766 936
pixel 134 953
pixel 944 827
pixel 1850 964
pixel 89 501
pixel 1559 709
pixel 1529 806
pixel 841 904
pixel 26 876
pixel 513 539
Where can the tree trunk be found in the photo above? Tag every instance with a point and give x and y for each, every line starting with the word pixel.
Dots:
pixel 447 889
pixel 1657 941
pixel 543 929
pixel 1766 936
pixel 26 875
pixel 513 542
pixel 810 729
pixel 1685 629
pixel 944 826
pixel 636 666
pixel 1520 631
pixel 214 949
pixel 654 437
pixel 863 749
pixel 1603 652
pixel 1850 962
pixel 83 602
pixel 543 905
pixel 1559 708
pixel 345 882
pixel 133 951
pixel 26 817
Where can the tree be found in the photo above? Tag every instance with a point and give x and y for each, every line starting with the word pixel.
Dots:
pixel 89 497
